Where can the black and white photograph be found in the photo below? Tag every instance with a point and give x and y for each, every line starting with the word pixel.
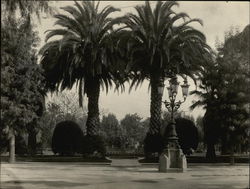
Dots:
pixel 125 94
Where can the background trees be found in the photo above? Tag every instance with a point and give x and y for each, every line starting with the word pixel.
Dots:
pixel 111 131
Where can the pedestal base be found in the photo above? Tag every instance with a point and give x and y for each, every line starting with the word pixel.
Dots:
pixel 172 160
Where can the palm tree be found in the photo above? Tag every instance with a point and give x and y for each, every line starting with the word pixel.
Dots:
pixel 83 56
pixel 159 48
pixel 208 99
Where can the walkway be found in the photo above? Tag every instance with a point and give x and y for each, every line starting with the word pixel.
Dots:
pixel 80 176
pixel 125 163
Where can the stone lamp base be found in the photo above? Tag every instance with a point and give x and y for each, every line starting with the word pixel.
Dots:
pixel 172 160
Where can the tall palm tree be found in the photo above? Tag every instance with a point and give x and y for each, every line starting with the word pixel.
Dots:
pixel 83 55
pixel 208 95
pixel 159 48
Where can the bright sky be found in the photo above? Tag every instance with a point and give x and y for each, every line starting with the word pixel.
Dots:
pixel 217 17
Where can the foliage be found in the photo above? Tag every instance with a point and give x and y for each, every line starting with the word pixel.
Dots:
pixel 188 135
pixel 10 8
pixel 224 92
pixel 60 107
pixel 67 138
pixel 93 146
pixel 162 44
pixel 186 130
pixel 83 55
pixel 128 134
pixel 133 130
pixel 22 88
pixel 153 144
pixel 158 46
pixel 110 130
pixel 20 146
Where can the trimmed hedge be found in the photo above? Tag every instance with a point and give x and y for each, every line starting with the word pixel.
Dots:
pixel 187 134
pixel 67 138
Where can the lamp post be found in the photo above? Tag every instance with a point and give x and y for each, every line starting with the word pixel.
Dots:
pixel 172 158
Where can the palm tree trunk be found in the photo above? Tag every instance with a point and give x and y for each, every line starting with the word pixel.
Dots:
pixel 155 106
pixel 93 93
pixel 12 146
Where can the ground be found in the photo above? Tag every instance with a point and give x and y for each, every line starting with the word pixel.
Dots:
pixel 121 174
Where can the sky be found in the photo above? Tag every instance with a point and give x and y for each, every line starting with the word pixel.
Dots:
pixel 217 17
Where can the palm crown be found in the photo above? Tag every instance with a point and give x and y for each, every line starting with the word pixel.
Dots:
pixel 160 48
pixel 158 44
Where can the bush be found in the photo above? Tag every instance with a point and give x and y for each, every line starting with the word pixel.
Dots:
pixel 67 138
pixel 153 144
pixel 188 135
pixel 93 146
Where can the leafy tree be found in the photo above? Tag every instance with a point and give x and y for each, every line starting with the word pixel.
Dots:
pixel 22 88
pixel 133 129
pixel 83 55
pixel 11 8
pixel 158 48
pixel 209 84
pixel 233 58
pixel 110 130
pixel 224 94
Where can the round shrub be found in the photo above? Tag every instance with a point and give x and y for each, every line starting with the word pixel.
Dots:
pixel 67 138
pixel 93 146
pixel 188 135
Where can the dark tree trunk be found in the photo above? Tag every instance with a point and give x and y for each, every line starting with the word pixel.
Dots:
pixel 210 151
pixel 155 106
pixel 93 93
pixel 12 146
pixel 225 149
pixel 32 143
pixel 211 132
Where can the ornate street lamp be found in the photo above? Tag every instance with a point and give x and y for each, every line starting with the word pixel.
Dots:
pixel 172 157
